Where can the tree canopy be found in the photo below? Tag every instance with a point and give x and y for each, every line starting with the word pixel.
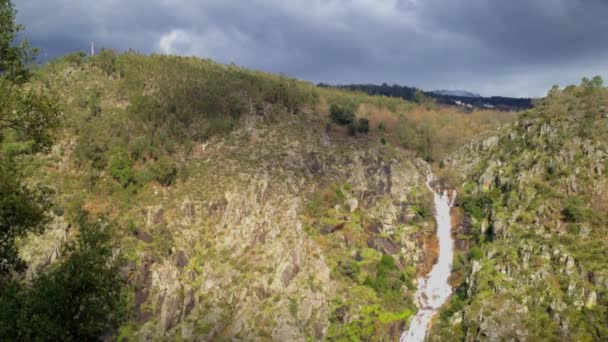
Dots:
pixel 27 118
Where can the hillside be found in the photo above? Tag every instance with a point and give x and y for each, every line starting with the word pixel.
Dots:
pixel 444 97
pixel 241 208
pixel 170 198
pixel 535 217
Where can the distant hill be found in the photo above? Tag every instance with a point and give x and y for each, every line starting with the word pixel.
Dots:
pixel 464 99
pixel 459 93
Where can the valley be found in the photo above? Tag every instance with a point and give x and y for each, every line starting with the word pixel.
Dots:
pixel 158 197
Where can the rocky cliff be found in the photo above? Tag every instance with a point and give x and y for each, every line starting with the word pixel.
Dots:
pixel 244 213
pixel 534 198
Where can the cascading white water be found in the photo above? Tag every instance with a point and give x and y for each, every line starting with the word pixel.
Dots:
pixel 434 289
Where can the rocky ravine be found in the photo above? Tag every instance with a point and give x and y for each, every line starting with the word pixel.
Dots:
pixel 233 252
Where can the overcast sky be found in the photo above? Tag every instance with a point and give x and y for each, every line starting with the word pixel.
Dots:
pixel 493 47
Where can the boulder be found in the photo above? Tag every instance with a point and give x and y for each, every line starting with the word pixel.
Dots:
pixel 352 204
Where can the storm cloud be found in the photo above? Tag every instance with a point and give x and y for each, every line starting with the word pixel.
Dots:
pixel 511 48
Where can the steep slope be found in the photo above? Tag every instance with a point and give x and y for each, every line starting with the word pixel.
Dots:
pixel 247 206
pixel 243 211
pixel 535 218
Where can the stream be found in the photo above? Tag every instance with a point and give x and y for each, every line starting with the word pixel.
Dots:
pixel 433 288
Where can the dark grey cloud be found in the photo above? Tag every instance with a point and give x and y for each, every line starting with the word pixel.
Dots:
pixel 515 47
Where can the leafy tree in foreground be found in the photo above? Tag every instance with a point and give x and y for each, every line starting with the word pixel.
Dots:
pixel 27 119
pixel 79 300
pixel 13 58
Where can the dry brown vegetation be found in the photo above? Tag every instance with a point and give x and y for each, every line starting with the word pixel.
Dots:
pixel 429 129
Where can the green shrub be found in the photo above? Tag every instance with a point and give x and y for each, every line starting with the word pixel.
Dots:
pixel 349 268
pixel 76 59
pixel 363 126
pixel 293 307
pixel 424 209
pixel 89 150
pixel 388 261
pixel 142 147
pixel 106 60
pixel 342 115
pixel 476 205
pixel 475 253
pixel 78 300
pixel 352 129
pixel 576 211
pixel 121 168
pixel 164 171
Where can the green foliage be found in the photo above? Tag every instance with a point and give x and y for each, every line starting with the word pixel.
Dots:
pixel 22 209
pixel 475 253
pixel 27 119
pixel 342 115
pixel 423 209
pixel 369 324
pixel 388 261
pixel 121 168
pixel 325 199
pixel 359 329
pixel 78 300
pixel 164 171
pixel 106 60
pixel 293 307
pixel 477 206
pixel 576 210
pixel 352 129
pixel 457 303
pixel 419 137
pixel 595 82
pixel 349 269
pixel 28 112
pixel 14 58
pixel 363 126
pixel 76 59
pixel 388 280
pixel 90 151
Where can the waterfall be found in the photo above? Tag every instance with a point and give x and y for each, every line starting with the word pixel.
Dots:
pixel 433 288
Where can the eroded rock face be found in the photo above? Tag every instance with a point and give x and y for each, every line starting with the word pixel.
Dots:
pixel 166 286
pixel 242 265
pixel 155 215
pixel 39 251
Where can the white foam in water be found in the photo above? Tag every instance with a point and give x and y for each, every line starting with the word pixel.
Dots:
pixel 434 289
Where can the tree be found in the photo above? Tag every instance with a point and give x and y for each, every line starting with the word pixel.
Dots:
pixel 595 82
pixel 14 58
pixel 27 117
pixel 21 210
pixel 80 297
pixel 77 301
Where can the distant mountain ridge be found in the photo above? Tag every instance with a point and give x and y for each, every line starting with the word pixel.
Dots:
pixel 464 99
pixel 459 93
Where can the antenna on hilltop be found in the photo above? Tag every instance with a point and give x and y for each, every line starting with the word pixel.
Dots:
pixel 92 48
